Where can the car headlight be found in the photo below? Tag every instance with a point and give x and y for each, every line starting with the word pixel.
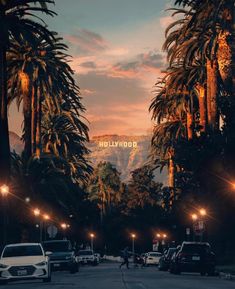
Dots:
pixel 41 263
pixel 2 266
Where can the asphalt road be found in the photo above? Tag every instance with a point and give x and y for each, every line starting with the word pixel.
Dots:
pixel 109 276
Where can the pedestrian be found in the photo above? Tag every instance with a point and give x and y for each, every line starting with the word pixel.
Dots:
pixel 125 256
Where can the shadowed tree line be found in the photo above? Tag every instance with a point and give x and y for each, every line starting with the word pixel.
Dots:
pixel 36 75
pixel 194 113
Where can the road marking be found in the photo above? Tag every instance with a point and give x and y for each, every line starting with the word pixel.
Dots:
pixel 135 285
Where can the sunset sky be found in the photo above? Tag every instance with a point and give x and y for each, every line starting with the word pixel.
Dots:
pixel 117 57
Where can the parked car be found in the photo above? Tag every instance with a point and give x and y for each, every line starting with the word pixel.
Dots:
pixel 24 261
pixel 87 257
pixel 152 258
pixel 164 262
pixel 194 257
pixel 63 255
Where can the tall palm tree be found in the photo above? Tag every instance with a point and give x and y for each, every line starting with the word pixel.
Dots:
pixel 17 23
pixel 35 72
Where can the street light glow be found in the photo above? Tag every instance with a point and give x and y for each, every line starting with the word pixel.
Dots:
pixel 203 212
pixel 63 226
pixel 159 235
pixel 194 217
pixel 164 236
pixel 36 212
pixel 133 236
pixel 46 217
pixel 92 235
pixel 4 190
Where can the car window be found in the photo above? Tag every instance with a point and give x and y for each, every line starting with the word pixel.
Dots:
pixel 57 246
pixel 20 251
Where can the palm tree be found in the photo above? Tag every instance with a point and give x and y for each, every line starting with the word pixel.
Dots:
pixel 31 71
pixel 17 23
pixel 61 137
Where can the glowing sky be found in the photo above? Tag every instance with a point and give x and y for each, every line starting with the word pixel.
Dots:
pixel 117 57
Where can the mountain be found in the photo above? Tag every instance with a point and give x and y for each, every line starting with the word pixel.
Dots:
pixel 126 153
pixel 16 143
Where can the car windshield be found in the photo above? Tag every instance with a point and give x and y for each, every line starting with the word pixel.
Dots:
pixel 196 248
pixel 82 253
pixel 20 251
pixel 57 246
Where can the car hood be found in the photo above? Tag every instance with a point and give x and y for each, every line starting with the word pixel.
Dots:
pixel 22 260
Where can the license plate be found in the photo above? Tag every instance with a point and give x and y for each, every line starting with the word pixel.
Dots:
pixel 56 265
pixel 196 258
pixel 22 272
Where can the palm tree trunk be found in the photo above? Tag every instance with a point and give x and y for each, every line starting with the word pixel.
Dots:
pixel 4 130
pixel 171 180
pixel 34 119
pixel 212 95
pixel 38 127
pixel 26 88
pixel 190 125
pixel 202 106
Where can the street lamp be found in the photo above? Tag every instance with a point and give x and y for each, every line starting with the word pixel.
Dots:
pixel 37 213
pixel 92 236
pixel 194 217
pixel 46 217
pixel 203 212
pixel 4 190
pixel 133 236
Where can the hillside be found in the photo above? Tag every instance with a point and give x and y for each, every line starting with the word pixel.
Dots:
pixel 126 153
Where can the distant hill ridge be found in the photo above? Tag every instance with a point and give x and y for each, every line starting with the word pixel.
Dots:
pixel 130 153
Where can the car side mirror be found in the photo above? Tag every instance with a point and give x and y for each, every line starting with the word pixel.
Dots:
pixel 48 253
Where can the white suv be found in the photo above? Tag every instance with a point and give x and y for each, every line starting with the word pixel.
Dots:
pixel 24 261
pixel 152 258
pixel 87 257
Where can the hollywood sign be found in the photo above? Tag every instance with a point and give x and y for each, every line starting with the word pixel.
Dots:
pixel 116 144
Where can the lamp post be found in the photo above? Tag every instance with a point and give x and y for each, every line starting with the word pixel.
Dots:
pixel 64 227
pixel 133 236
pixel 37 213
pixel 4 190
pixel 46 218
pixel 92 236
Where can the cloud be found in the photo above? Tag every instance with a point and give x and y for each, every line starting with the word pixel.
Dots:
pixel 145 62
pixel 89 64
pixel 87 41
pixel 115 105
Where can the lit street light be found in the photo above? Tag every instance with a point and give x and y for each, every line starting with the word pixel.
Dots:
pixel 203 212
pixel 4 190
pixel 92 236
pixel 133 236
pixel 37 213
pixel 194 217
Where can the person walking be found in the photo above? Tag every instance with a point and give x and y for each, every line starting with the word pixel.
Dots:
pixel 125 256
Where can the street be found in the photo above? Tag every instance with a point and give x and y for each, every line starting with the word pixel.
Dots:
pixel 109 276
